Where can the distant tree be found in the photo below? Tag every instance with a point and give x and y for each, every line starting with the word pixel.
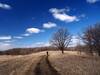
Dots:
pixel 96 38
pixel 61 39
pixel 78 45
pixel 91 38
pixel 88 39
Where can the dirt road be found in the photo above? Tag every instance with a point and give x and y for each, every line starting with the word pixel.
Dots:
pixel 26 65
pixel 44 67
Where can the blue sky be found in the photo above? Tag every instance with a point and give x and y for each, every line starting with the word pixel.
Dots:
pixel 31 23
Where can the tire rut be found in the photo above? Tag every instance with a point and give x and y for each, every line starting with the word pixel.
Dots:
pixel 44 67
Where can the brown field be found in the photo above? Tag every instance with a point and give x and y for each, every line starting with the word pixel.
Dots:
pixel 19 65
pixel 73 64
pixel 69 63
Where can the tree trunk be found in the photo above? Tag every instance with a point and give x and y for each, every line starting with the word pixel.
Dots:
pixel 91 50
pixel 98 52
pixel 62 51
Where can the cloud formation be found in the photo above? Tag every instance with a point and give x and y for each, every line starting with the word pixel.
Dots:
pixel 5 37
pixel 62 16
pixel 76 40
pixel 18 37
pixel 39 44
pixel 92 1
pixel 33 30
pixel 49 25
pixel 26 34
pixel 8 41
pixel 5 46
pixel 5 6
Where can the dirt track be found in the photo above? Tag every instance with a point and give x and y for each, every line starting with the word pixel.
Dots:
pixel 44 67
pixel 26 65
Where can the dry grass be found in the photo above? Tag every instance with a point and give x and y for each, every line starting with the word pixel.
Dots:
pixel 19 65
pixel 73 64
pixel 69 63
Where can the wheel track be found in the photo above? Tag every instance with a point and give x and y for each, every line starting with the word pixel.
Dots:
pixel 44 67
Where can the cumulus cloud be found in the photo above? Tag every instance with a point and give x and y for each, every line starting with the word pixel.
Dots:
pixel 26 34
pixel 18 37
pixel 62 16
pixel 5 37
pixel 92 1
pixel 49 25
pixel 33 30
pixel 5 6
pixel 5 46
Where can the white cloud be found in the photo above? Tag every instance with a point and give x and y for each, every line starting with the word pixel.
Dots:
pixel 5 46
pixel 49 25
pixel 75 41
pixel 92 1
pixel 5 6
pixel 39 44
pixel 62 16
pixel 33 30
pixel 5 37
pixel 18 37
pixel 42 44
pixel 26 34
pixel 55 10
pixel 9 41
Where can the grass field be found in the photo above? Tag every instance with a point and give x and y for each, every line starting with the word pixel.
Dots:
pixel 69 63
pixel 19 65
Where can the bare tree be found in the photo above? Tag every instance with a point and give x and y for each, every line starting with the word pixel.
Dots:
pixel 96 38
pixel 91 38
pixel 78 46
pixel 61 39
pixel 88 39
